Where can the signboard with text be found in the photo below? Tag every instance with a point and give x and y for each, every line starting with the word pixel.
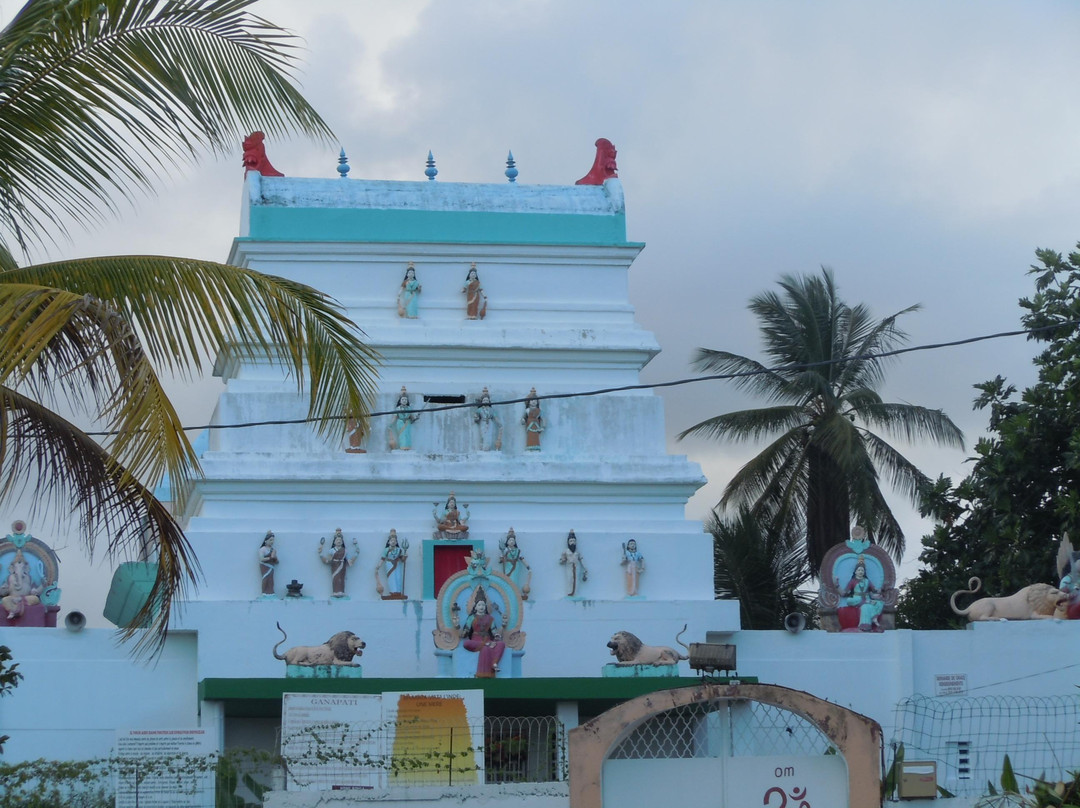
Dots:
pixel 164 768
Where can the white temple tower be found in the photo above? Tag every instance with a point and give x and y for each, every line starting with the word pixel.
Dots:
pixel 553 262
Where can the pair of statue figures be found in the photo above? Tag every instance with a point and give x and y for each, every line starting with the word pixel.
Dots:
pixel 399 434
pixel 408 298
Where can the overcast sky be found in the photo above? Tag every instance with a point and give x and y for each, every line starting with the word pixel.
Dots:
pixel 922 150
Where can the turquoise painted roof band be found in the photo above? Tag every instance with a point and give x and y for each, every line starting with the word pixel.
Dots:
pixel 427 226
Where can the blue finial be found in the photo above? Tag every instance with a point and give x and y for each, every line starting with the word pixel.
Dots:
pixel 343 164
pixel 511 169
pixel 431 171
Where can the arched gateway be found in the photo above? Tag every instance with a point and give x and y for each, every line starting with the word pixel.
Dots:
pixel 749 744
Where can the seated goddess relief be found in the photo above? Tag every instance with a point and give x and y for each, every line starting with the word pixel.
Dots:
pixel 858 587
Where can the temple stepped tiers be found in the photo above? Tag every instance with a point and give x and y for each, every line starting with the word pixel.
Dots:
pixel 477 297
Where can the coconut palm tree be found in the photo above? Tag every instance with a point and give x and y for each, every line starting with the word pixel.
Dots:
pixel 765 569
pixel 822 467
pixel 96 96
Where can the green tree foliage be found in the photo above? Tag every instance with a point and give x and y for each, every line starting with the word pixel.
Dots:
pixel 9 680
pixel 1004 521
pixel 763 568
pixel 96 96
pixel 822 466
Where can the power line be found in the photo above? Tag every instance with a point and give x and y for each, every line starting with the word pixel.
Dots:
pixel 933 346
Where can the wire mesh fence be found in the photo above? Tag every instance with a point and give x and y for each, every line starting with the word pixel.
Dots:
pixel 722 727
pixel 969 737
pixel 502 749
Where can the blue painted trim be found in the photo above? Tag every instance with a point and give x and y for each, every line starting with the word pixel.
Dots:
pixel 428 226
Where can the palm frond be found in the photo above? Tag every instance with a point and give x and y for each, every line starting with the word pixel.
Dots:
pixel 764 568
pixel 757 475
pixel 749 424
pixel 753 375
pixel 82 81
pixel 71 473
pixel 912 423
pixel 901 473
pixel 186 310
pixel 53 340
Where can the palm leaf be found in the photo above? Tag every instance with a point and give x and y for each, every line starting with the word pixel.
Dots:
pixel 913 423
pixel 749 424
pixel 53 340
pixel 69 472
pixel 186 309
pixel 83 81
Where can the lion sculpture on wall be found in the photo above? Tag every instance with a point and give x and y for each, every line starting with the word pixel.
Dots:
pixel 338 650
pixel 629 650
pixel 1034 602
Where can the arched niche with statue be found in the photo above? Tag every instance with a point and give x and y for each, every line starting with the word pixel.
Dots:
pixel 29 570
pixel 478 615
pixel 858 587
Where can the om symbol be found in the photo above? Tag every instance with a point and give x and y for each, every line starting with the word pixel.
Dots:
pixel 797 795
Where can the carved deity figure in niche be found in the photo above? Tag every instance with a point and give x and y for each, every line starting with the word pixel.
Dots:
pixel 633 565
pixel 533 422
pixel 18 589
pixel 860 592
pixel 390 571
pixel 449 522
pixel 399 433
pixel 339 560
pixel 481 634
pixel 408 299
pixel 574 562
pixel 603 167
pixel 512 563
pixel 267 561
pixel 489 424
pixel 255 156
pixel 858 586
pixel 475 299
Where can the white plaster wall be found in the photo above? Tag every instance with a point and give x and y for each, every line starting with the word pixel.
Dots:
pixel 870 673
pixel 79 688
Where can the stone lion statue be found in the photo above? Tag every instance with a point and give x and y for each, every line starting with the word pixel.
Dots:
pixel 1034 602
pixel 338 650
pixel 629 650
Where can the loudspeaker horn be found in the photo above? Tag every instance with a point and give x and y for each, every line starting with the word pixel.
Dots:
pixel 74 621
pixel 795 622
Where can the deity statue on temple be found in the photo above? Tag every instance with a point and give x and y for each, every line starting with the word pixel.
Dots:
pixel 399 433
pixel 475 299
pixel 408 299
pixel 489 424
pixel 339 560
pixel 390 571
pixel 533 422
pixel 513 564
pixel 449 522
pixel 18 590
pixel 267 561
pixel 633 563
pixel 574 563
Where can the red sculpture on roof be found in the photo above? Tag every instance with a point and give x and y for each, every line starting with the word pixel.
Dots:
pixel 603 167
pixel 255 156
